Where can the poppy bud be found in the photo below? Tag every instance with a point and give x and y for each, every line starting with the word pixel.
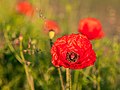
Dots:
pixel 51 34
pixel 51 27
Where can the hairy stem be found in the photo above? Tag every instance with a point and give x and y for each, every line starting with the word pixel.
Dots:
pixel 68 79
pixel 28 75
pixel 20 59
pixel 11 48
pixel 61 79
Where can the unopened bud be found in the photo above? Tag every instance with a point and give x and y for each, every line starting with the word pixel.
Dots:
pixel 51 34
pixel 28 63
pixel 20 37
pixel 25 51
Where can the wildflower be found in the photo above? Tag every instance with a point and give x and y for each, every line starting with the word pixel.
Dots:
pixel 73 51
pixel 25 8
pixel 51 27
pixel 91 27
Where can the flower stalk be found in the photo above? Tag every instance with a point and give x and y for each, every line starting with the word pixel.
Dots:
pixel 21 59
pixel 75 80
pixel 27 71
pixel 61 79
pixel 11 48
pixel 68 79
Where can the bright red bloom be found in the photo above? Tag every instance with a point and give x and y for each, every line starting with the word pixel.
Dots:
pixel 91 27
pixel 73 51
pixel 50 25
pixel 25 8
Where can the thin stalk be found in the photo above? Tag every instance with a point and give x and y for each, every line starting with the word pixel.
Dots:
pixel 11 48
pixel 98 86
pixel 29 77
pixel 87 76
pixel 98 82
pixel 68 79
pixel 59 71
pixel 20 59
pixel 61 79
pixel 51 42
pixel 76 75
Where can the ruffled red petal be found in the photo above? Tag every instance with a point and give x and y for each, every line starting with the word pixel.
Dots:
pixel 77 43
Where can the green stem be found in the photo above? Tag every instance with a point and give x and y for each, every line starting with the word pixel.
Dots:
pixel 11 48
pixel 98 86
pixel 51 42
pixel 98 82
pixel 76 75
pixel 61 79
pixel 68 79
pixel 29 77
pixel 20 59
pixel 91 79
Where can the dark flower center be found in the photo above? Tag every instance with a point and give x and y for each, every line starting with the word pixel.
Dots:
pixel 51 30
pixel 72 57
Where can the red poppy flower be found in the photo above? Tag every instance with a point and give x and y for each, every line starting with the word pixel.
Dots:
pixel 50 25
pixel 73 51
pixel 91 27
pixel 25 8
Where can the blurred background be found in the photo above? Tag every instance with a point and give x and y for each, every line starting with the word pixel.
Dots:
pixel 104 75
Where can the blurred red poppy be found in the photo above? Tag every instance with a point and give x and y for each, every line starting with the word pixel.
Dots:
pixel 73 51
pixel 50 25
pixel 91 27
pixel 25 8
